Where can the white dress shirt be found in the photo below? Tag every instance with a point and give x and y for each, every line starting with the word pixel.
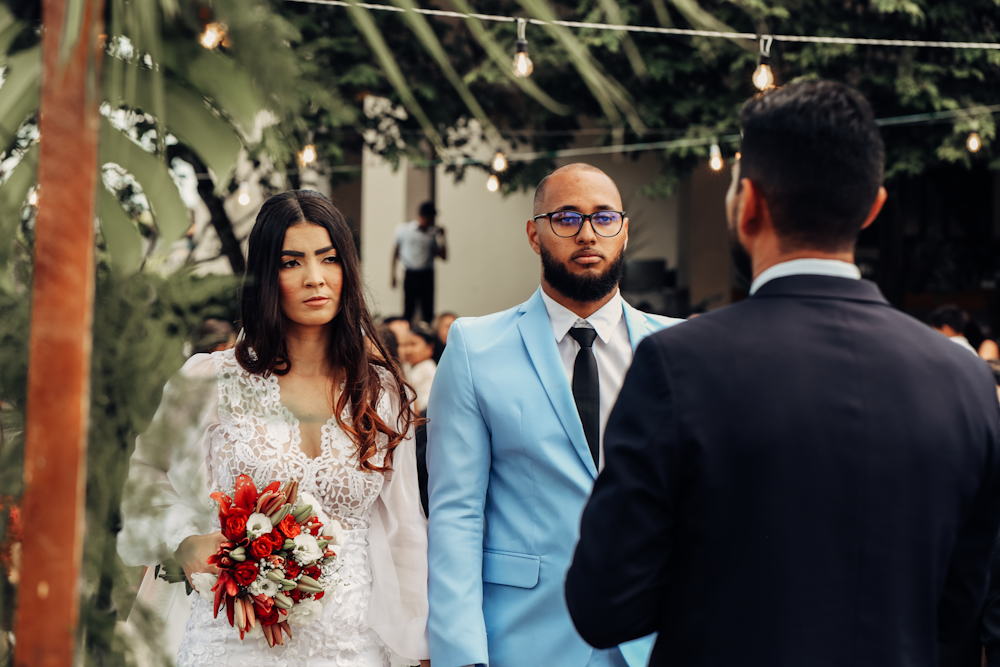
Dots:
pixel 964 343
pixel 810 266
pixel 612 348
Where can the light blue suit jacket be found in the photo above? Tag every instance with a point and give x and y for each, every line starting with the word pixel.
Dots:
pixel 509 473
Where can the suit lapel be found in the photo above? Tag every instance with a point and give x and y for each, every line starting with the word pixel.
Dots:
pixel 637 325
pixel 536 331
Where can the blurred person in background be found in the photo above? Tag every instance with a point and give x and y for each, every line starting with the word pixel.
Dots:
pixel 950 320
pixel 391 342
pixel 213 335
pixel 418 244
pixel 417 350
pixel 421 351
pixel 978 337
pixel 443 324
pixel 400 328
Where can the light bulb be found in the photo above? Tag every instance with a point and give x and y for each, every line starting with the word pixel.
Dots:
pixel 33 197
pixel 738 156
pixel 715 157
pixel 499 162
pixel 763 77
pixel 523 67
pixel 244 195
pixel 493 184
pixel 307 155
pixel 214 35
pixel 973 143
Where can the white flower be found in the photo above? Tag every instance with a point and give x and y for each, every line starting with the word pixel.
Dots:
pixel 334 530
pixel 306 549
pixel 305 612
pixel 264 586
pixel 203 583
pixel 306 498
pixel 256 632
pixel 258 525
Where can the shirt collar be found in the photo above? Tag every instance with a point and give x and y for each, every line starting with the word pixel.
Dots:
pixel 604 321
pixel 810 266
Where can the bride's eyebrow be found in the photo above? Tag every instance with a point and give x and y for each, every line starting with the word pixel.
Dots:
pixel 326 249
pixel 299 253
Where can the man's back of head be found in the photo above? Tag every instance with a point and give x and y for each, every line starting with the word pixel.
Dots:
pixel 814 151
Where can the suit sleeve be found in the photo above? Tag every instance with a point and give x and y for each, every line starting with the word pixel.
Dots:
pixel 458 466
pixel 616 581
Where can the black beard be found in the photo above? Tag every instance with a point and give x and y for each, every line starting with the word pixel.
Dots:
pixel 741 259
pixel 584 289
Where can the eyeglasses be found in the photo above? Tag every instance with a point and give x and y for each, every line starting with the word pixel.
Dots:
pixel 569 223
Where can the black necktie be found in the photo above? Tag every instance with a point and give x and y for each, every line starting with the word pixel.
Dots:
pixel 587 389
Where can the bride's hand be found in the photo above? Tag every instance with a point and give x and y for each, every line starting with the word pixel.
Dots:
pixel 192 554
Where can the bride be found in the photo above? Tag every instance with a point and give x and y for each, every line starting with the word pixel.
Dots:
pixel 307 394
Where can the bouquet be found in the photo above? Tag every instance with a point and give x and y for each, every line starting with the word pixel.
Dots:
pixel 275 565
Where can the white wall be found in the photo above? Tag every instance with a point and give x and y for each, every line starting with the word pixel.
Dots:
pixel 490 265
pixel 383 200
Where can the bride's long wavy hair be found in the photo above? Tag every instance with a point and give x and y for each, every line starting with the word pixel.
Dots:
pixel 354 346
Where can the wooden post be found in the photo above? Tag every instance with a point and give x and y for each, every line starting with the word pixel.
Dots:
pixel 61 317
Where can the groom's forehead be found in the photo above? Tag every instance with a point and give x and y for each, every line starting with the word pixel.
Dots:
pixel 576 182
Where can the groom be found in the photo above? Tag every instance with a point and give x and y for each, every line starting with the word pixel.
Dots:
pixel 517 414
pixel 808 477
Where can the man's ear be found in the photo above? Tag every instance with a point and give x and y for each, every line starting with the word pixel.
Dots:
pixel 749 208
pixel 532 231
pixel 876 207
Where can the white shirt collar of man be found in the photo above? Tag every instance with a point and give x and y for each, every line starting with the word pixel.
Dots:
pixel 604 321
pixel 809 266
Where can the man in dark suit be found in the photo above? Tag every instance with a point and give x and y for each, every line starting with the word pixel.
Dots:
pixel 808 477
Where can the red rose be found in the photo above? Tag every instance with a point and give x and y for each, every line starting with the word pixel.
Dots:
pixel 295 594
pixel 261 548
pixel 246 572
pixel 313 572
pixel 269 617
pixel 292 569
pixel 234 526
pixel 319 596
pixel 289 527
pixel 277 540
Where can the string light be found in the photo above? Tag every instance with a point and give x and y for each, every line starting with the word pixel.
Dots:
pixel 493 183
pixel 763 77
pixel 33 197
pixel 973 143
pixel 244 194
pixel 499 161
pixel 215 34
pixel 715 156
pixel 307 155
pixel 523 67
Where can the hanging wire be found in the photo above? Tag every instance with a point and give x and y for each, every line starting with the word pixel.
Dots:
pixel 669 31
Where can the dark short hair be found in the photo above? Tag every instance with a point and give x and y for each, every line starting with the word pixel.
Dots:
pixel 814 151
pixel 950 315
pixel 427 210
pixel 425 332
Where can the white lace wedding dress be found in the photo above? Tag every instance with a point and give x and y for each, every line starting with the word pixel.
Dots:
pixel 215 422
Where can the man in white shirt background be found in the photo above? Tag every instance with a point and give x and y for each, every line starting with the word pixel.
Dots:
pixel 517 415
pixel 950 321
pixel 418 243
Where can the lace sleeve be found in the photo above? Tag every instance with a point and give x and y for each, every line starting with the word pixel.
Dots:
pixel 398 542
pixel 166 495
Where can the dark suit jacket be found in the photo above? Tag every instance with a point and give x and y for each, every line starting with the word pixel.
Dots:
pixel 808 477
